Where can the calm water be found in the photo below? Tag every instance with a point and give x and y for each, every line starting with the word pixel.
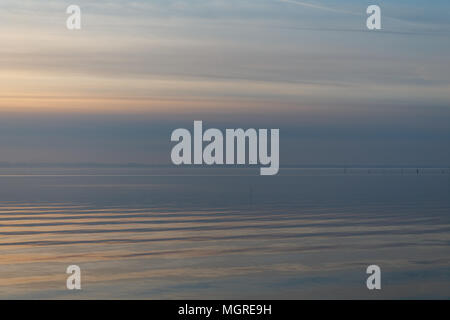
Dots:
pixel 209 233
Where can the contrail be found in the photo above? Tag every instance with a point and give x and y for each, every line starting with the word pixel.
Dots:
pixel 324 8
pixel 316 6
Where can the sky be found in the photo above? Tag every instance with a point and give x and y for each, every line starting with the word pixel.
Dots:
pixel 113 91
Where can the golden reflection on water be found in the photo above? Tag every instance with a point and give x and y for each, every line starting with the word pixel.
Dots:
pixel 155 253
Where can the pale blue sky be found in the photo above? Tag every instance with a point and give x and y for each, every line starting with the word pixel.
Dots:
pixel 114 91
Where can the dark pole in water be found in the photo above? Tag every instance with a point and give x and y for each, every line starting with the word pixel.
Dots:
pixel 417 171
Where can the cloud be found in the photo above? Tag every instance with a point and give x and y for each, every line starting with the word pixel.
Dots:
pixel 315 73
pixel 319 7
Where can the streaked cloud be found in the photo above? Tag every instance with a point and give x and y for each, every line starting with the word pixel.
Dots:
pixel 294 63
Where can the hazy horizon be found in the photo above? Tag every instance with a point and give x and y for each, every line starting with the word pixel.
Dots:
pixel 115 90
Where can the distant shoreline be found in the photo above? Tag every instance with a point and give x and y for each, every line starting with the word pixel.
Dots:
pixel 143 165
